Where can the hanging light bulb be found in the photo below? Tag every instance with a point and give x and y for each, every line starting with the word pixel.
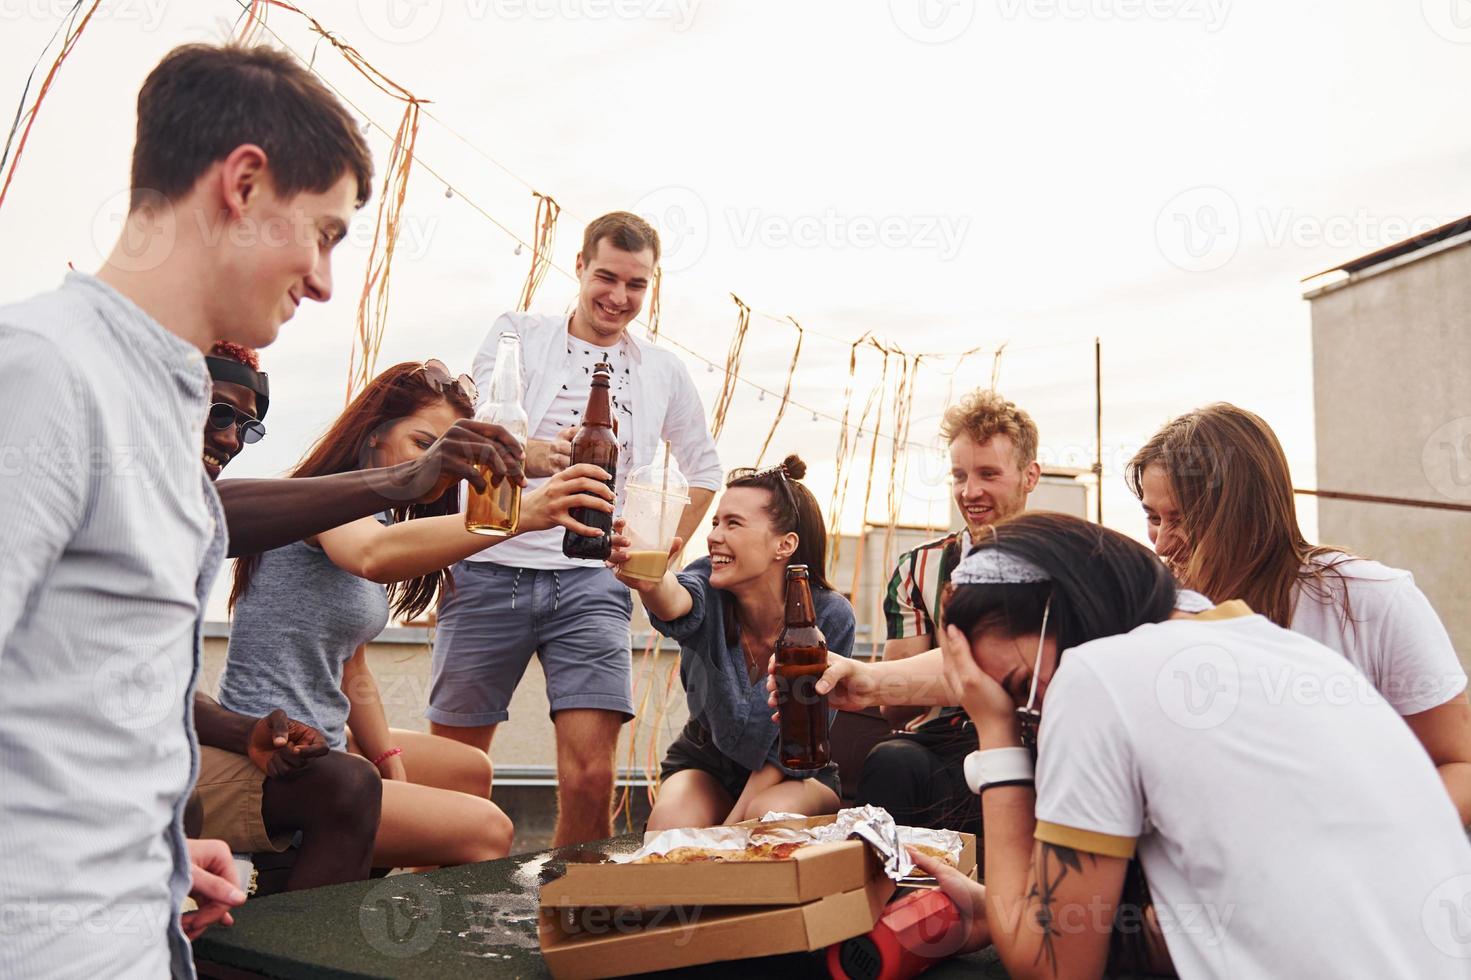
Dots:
pixel 518 248
pixel 761 394
pixel 449 191
pixel 366 124
pixel 709 367
pixel 814 416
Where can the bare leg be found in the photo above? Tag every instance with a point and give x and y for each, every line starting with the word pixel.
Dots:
pixel 478 736
pixel 805 796
pixel 445 763
pixel 424 826
pixel 690 798
pixel 587 740
pixel 335 803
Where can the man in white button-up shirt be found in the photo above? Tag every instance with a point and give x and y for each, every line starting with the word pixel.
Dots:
pixel 524 596
pixel 246 172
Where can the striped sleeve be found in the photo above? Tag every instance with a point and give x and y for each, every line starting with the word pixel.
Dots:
pixel 905 614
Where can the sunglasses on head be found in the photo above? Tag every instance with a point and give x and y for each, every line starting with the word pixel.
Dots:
pixel 440 378
pixel 222 415
pixel 779 470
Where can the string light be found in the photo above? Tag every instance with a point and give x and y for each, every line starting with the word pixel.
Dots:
pixel 448 191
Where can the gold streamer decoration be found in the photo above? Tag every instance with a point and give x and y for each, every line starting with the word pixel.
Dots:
pixel 372 314
pixel 69 42
pixel 655 308
pixel 732 366
pixel 544 235
pixel 786 392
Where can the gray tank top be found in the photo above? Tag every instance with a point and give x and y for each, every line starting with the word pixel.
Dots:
pixel 300 621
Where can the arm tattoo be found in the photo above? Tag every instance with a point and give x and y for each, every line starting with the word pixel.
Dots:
pixel 1052 867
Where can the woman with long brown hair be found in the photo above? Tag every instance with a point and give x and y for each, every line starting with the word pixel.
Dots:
pixel 304 613
pixel 726 611
pixel 1217 493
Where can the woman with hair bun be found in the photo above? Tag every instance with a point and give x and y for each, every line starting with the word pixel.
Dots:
pixel 726 611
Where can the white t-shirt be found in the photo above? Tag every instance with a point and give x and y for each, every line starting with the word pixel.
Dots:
pixel 1288 822
pixel 1394 637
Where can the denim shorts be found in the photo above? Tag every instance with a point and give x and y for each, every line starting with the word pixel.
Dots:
pixel 495 617
pixel 695 749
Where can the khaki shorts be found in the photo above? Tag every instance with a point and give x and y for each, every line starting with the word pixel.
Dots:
pixel 229 792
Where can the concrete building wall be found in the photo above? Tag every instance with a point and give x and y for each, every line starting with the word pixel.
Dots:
pixel 1392 395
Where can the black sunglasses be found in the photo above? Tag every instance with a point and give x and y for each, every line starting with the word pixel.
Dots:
pixel 439 376
pixel 222 415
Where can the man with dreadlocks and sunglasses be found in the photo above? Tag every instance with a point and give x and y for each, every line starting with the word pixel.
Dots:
pixel 1283 828
pixel 265 778
pixel 727 611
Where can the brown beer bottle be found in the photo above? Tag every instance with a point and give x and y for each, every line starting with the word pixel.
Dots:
pixel 801 658
pixel 595 443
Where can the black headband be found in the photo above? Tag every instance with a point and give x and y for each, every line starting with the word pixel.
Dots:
pixel 233 372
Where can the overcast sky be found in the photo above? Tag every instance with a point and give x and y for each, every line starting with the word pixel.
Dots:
pixel 948 174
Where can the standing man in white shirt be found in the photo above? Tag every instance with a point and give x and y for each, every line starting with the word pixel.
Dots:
pixel 525 597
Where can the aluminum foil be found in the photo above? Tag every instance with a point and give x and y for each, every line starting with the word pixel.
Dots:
pixel 871 824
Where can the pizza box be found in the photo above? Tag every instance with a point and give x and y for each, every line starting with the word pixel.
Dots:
pixel 587 943
pixel 812 872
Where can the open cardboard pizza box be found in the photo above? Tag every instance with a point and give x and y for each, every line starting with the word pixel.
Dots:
pixel 606 920
pixel 811 873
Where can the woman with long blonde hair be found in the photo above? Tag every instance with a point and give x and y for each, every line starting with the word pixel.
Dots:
pixel 1217 493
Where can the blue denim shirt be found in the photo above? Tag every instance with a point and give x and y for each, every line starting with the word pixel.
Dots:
pixel 111 535
pixel 716 683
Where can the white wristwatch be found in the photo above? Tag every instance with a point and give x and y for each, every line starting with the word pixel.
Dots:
pixel 997 767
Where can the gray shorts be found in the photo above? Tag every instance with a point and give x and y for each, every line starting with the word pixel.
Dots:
pixel 575 619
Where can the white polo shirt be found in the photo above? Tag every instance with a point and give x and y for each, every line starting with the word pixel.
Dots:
pixel 1288 822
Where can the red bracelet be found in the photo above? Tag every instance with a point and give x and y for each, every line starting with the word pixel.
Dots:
pixel 386 756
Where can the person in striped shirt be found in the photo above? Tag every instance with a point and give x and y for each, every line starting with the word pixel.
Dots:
pixel 916 773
